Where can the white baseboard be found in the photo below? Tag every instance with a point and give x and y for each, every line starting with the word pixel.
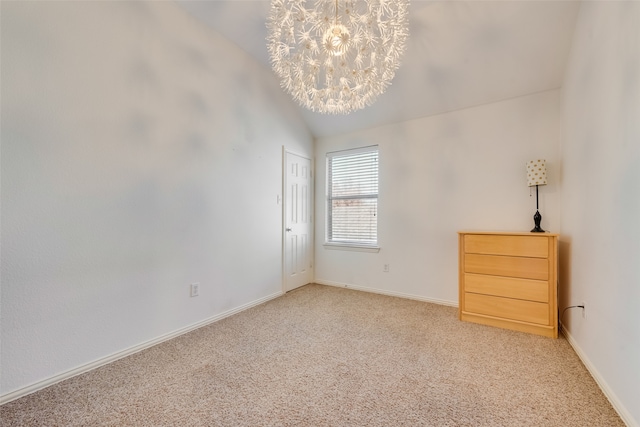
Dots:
pixel 5 398
pixel 8 397
pixel 627 418
pixel 385 292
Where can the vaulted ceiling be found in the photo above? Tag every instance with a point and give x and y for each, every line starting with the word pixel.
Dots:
pixel 460 54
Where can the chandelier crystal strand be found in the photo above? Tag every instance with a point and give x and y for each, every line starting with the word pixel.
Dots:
pixel 337 56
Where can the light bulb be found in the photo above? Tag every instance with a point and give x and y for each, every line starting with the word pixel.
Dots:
pixel 336 40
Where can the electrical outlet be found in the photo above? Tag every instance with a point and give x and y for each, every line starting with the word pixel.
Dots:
pixel 584 310
pixel 195 289
pixel 385 268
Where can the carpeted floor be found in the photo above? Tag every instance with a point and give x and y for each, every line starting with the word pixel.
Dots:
pixel 324 356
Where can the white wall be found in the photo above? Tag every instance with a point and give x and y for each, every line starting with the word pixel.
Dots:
pixel 140 153
pixel 600 252
pixel 438 175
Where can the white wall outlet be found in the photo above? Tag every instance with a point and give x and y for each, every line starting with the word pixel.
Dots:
pixel 584 310
pixel 195 289
pixel 385 268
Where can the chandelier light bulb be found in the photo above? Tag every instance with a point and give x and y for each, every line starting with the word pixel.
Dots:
pixel 335 57
pixel 336 40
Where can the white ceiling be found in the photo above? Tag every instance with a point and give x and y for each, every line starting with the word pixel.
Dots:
pixel 459 54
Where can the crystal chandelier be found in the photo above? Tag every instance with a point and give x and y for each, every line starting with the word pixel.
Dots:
pixel 336 56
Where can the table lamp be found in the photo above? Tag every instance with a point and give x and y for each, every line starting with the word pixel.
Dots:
pixel 537 175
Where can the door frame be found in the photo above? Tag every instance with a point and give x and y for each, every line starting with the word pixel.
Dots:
pixel 283 214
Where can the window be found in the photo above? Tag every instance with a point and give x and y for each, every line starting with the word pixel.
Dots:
pixel 352 197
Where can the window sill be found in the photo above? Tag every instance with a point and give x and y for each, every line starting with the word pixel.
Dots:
pixel 351 247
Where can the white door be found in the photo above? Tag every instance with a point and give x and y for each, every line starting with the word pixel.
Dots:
pixel 298 225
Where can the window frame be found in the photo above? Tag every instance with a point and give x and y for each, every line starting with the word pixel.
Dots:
pixel 346 244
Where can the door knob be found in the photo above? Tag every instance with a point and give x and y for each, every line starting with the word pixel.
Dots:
pixel 287 229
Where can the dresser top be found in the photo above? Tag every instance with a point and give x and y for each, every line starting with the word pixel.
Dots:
pixel 509 233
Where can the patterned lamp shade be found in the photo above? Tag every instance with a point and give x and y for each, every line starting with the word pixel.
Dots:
pixel 536 172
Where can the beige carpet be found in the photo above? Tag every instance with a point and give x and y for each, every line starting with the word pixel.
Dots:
pixel 323 356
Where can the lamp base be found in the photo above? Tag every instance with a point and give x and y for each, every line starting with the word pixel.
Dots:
pixel 536 219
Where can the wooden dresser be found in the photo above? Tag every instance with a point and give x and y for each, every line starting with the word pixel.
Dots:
pixel 509 280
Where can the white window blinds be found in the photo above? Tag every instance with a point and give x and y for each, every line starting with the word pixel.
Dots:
pixel 352 196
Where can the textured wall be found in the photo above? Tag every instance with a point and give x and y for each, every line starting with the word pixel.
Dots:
pixel 601 196
pixel 438 175
pixel 140 153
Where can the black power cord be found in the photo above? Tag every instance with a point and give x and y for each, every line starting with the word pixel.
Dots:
pixel 567 308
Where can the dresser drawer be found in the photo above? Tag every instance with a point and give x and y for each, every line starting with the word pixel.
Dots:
pixel 526 246
pixel 525 311
pixel 525 268
pixel 510 287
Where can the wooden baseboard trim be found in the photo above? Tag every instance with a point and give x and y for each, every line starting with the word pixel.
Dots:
pixel 385 292
pixel 32 388
pixel 627 418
